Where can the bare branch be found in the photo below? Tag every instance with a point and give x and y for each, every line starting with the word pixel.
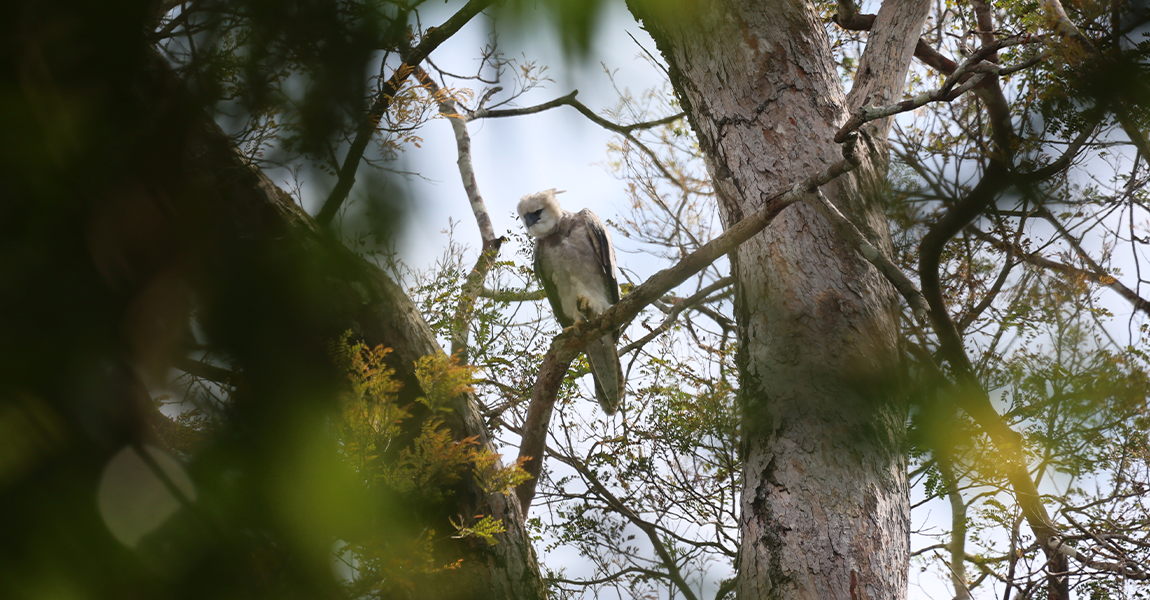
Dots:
pixel 448 109
pixel 569 100
pixel 1095 272
pixel 645 526
pixel 673 314
pixel 473 285
pixel 1137 136
pixel 922 50
pixel 874 256
pixel 609 578
pixel 485 113
pixel 950 89
pixel 1126 571
pixel 1138 302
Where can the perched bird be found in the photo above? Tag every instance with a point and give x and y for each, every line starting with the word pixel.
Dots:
pixel 575 261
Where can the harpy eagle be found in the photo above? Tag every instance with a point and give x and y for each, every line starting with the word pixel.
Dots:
pixel 575 261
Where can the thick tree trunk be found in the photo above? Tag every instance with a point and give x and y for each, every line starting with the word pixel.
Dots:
pixel 116 224
pixel 252 212
pixel 825 511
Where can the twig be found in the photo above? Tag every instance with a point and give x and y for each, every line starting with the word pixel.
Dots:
pixel 569 100
pixel 1099 277
pixel 964 78
pixel 646 527
pixel 673 314
pixel 970 394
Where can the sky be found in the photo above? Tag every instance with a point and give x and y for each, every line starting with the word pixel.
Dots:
pixel 517 156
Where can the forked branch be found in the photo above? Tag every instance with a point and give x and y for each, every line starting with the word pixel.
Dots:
pixel 964 78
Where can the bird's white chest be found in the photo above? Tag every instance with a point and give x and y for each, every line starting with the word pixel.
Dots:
pixel 575 270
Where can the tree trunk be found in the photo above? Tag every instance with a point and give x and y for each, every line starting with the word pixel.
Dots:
pixel 825 510
pixel 252 211
pixel 171 217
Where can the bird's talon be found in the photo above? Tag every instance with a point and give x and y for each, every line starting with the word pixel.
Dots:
pixel 576 328
pixel 583 304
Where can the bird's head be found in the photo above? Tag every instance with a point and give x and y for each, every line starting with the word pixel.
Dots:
pixel 540 212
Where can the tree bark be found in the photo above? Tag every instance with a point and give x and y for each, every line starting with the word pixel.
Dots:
pixel 825 511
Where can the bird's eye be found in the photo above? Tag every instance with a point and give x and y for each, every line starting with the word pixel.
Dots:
pixel 538 212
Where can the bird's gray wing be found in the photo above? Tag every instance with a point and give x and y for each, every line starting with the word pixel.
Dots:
pixel 604 251
pixel 602 354
pixel 543 272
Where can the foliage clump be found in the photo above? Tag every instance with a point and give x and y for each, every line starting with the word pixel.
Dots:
pixel 407 455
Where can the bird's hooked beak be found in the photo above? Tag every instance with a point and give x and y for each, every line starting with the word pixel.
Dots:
pixel 531 218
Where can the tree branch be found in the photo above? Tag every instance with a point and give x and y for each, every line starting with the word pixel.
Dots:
pixel 473 285
pixel 1096 273
pixel 569 100
pixel 1007 266
pixel 646 527
pixel 970 395
pixel 673 314
pixel 366 130
pixel 609 578
pixel 988 90
pixel 923 51
pixel 1063 26
pixel 237 214
pixel 969 74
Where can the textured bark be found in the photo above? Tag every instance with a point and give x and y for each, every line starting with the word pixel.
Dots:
pixel 127 208
pixel 825 512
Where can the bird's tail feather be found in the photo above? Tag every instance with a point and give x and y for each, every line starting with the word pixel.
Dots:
pixel 607 372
